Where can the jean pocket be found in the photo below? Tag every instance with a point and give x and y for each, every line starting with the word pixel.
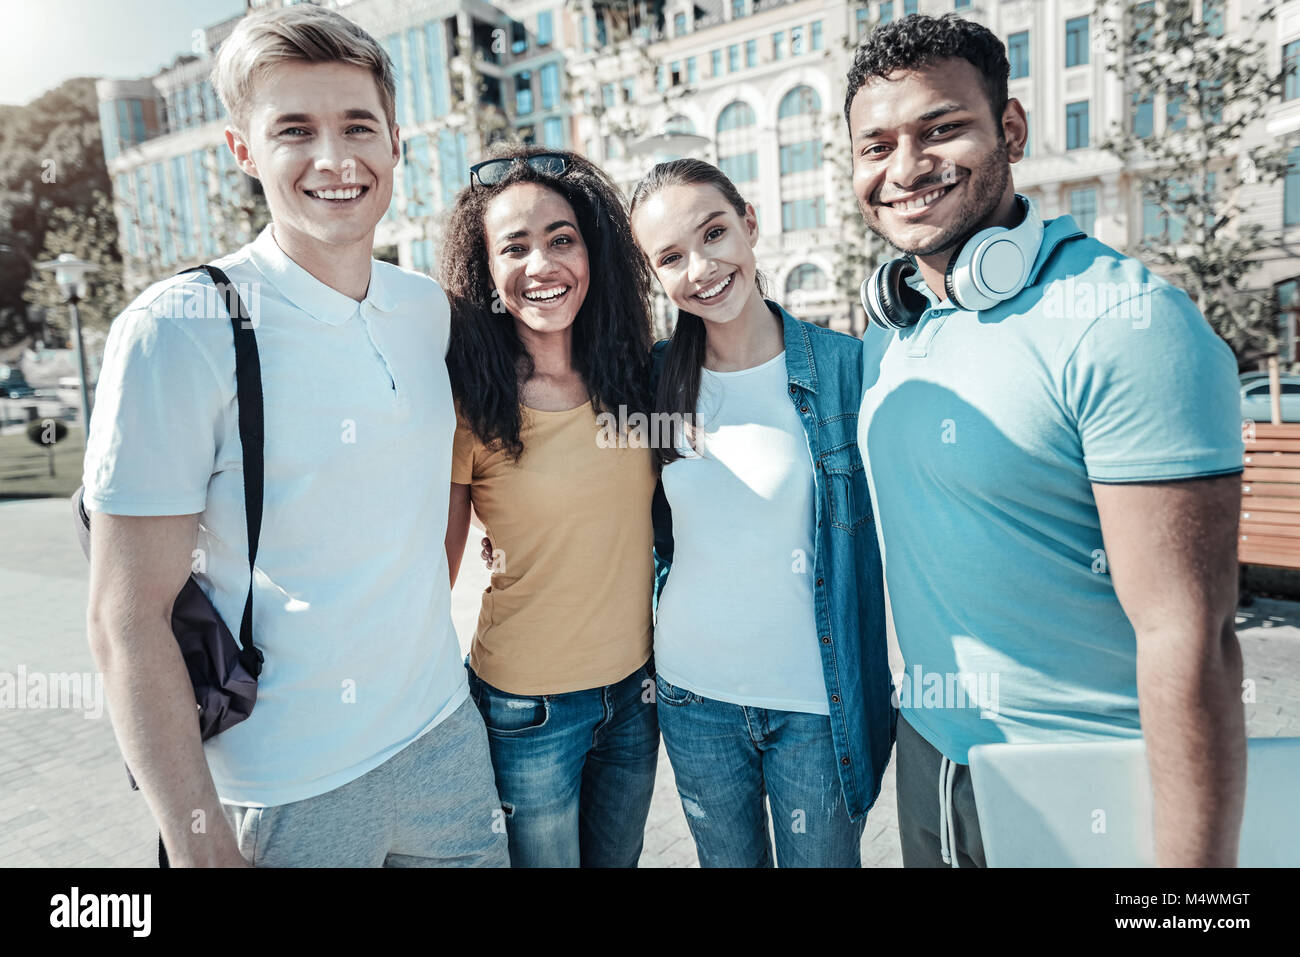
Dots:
pixel 669 694
pixel 846 491
pixel 511 714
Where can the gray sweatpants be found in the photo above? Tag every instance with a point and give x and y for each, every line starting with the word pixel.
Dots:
pixel 432 804
pixel 919 805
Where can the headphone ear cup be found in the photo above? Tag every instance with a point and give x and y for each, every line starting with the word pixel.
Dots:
pixel 899 305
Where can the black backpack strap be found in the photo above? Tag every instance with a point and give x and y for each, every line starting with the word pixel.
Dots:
pixel 248 388
pixel 662 515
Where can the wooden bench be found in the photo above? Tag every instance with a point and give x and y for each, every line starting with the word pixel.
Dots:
pixel 1270 496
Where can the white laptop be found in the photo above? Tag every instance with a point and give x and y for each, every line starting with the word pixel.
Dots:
pixel 1088 804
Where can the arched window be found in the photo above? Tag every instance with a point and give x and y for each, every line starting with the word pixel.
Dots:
pixel 799 138
pixel 679 124
pixel 806 278
pixel 737 150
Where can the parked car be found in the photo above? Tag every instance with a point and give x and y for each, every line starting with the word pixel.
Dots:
pixel 1255 398
pixel 13 384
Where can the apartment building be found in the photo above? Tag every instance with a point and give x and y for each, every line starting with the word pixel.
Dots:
pixel 756 86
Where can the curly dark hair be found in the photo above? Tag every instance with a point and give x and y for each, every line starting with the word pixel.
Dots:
pixel 611 333
pixel 919 40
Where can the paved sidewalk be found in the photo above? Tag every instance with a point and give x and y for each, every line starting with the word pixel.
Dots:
pixel 64 799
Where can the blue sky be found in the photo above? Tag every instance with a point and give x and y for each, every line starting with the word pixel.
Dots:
pixel 46 41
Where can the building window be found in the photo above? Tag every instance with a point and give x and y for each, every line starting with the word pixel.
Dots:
pixel 518 38
pixel 1076 41
pixel 778 45
pixel 1029 133
pixel 692 71
pixel 1144 116
pixel 716 62
pixel 806 278
pixel 524 93
pixel 801 157
pixel 796 41
pixel 586 33
pixel 679 124
pixel 802 214
pixel 679 24
pixel 960 4
pixel 862 16
pixel 751 53
pixel 545 29
pixel 1175 114
pixel 1076 125
pixel 1083 208
pixel 733 57
pixel 737 116
pixel 741 168
pixel 886 11
pixel 1291 191
pixel 1018 54
pixel 737 9
pixel 737 156
pixel 910 7
pixel 553 132
pixel 550 85
pixel 607 95
pixel 1144 26
pixel 1291 68
pixel 817 35
pixel 1212 16
pixel 676 77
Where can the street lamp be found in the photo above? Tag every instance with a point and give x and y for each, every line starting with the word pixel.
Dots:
pixel 70 276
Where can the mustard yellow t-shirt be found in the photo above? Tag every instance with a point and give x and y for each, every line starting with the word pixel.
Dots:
pixel 569 604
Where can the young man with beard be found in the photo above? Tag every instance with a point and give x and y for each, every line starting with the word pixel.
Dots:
pixel 364 748
pixel 1053 443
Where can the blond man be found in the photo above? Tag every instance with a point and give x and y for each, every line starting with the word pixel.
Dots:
pixel 363 749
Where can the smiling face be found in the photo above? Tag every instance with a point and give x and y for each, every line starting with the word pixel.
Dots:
pixel 536 256
pixel 929 167
pixel 700 248
pixel 318 141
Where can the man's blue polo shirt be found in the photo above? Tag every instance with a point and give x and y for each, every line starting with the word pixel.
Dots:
pixel 982 433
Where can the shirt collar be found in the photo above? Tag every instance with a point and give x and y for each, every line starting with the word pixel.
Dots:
pixel 799 364
pixel 1055 232
pixel 308 293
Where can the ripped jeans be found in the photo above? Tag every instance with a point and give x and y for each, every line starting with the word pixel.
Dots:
pixel 575 771
pixel 726 757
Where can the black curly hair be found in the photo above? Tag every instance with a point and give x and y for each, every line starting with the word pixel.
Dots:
pixel 487 361
pixel 918 40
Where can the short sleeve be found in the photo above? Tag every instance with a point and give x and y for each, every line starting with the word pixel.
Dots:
pixel 157 421
pixel 462 453
pixel 1154 393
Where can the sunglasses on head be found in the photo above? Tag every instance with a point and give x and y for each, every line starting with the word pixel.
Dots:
pixel 490 172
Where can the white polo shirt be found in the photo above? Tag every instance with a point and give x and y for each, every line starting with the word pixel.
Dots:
pixel 351 604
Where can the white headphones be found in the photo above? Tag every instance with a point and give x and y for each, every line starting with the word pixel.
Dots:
pixel 992 266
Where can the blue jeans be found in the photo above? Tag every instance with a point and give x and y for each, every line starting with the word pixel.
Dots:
pixel 727 756
pixel 575 771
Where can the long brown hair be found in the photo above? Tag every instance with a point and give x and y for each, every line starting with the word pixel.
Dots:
pixel 679 385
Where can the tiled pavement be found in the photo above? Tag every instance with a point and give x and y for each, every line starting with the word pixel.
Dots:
pixel 64 799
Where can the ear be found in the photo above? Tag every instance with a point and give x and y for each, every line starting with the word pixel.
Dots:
pixel 751 224
pixel 397 144
pixel 1015 129
pixel 239 147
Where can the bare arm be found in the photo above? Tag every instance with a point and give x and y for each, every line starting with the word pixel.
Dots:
pixel 137 567
pixel 1172 552
pixel 458 511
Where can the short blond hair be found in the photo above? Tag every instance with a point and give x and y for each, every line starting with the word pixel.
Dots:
pixel 300 32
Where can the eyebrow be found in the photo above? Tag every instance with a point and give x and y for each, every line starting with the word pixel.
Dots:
pixel 353 114
pixel 520 233
pixel 700 225
pixel 941 110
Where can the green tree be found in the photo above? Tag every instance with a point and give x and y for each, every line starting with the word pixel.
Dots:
pixel 90 235
pixel 1212 91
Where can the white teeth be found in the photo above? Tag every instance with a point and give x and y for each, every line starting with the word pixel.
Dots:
pixel 351 193
pixel 920 202
pixel 547 294
pixel 713 291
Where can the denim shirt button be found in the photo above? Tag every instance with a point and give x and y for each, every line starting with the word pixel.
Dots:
pixel 803 408
pixel 793 390
pixel 826 639
pixel 835 699
pixel 819 583
pixel 844 761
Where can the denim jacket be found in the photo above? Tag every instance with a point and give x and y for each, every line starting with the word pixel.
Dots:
pixel 824 368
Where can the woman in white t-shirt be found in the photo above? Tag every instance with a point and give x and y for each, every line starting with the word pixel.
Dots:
pixel 772 675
